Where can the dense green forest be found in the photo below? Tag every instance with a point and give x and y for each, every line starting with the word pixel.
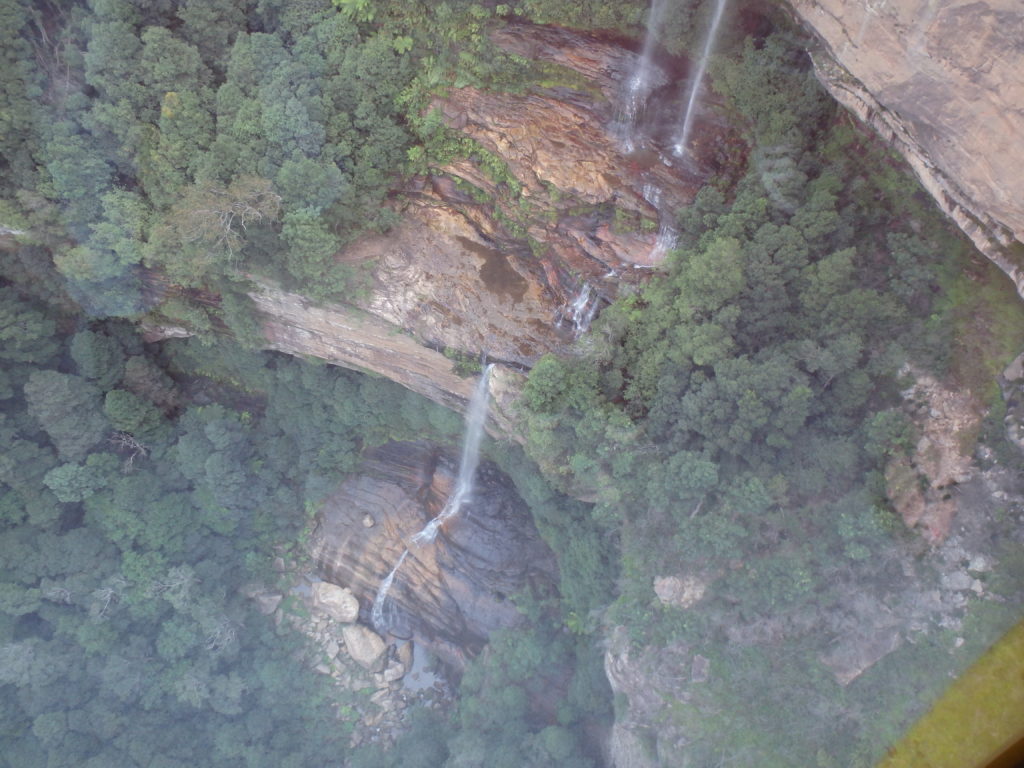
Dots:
pixel 734 413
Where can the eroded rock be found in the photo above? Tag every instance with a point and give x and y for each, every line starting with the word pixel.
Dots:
pixel 923 487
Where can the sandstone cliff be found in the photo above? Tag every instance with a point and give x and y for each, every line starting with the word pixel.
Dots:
pixel 449 594
pixel 941 81
pixel 493 249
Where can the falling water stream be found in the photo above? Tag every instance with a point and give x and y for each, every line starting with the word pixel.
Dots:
pixel 583 309
pixel 667 236
pixel 680 147
pixel 638 86
pixel 377 614
pixel 476 418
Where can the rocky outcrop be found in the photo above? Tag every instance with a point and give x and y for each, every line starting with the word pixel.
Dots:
pixel 924 485
pixel 940 80
pixel 449 594
pixel 492 248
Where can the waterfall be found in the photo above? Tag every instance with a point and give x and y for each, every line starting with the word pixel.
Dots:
pixel 638 86
pixel 476 418
pixel 666 239
pixel 582 310
pixel 652 194
pixel 664 243
pixel 691 102
pixel 382 595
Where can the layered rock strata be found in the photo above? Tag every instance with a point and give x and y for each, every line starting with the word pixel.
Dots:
pixel 940 80
pixel 493 248
pixel 449 594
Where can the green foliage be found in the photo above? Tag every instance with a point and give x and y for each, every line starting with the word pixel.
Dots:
pixel 67 407
pixel 26 332
pixel 99 358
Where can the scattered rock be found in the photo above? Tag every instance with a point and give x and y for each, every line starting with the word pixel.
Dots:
pixel 957 580
pixel 979 564
pixel 368 521
pixel 267 602
pixel 680 591
pixel 332 648
pixel 394 671
pixel 365 646
pixel 337 602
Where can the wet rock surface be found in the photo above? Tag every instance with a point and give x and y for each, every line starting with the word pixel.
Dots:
pixel 491 252
pixel 451 593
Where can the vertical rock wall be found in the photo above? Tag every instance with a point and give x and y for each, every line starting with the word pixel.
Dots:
pixel 941 80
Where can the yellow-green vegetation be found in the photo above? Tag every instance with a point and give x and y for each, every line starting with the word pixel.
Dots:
pixel 546 74
pixel 980 715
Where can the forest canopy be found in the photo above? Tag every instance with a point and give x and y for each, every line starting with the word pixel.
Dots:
pixel 735 413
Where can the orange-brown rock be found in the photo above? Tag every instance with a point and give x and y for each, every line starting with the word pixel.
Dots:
pixel 923 486
pixel 941 80
pixel 489 261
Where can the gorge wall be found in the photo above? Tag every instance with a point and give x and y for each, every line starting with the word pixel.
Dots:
pixel 451 593
pixel 492 251
pixel 940 80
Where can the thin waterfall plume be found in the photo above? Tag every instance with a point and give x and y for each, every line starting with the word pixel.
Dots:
pixel 639 85
pixel 665 242
pixel 377 614
pixel 666 239
pixel 679 150
pixel 476 418
pixel 582 310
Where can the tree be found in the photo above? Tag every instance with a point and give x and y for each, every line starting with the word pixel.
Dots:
pixel 207 227
pixel 131 414
pixel 73 482
pixel 26 332
pixel 68 409
pixel 99 358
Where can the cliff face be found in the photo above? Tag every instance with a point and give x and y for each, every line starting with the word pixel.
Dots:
pixel 492 252
pixel 941 80
pixel 450 593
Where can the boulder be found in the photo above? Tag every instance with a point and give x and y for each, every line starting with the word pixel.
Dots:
pixel 365 646
pixel 337 602
pixel 679 591
pixel 395 671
